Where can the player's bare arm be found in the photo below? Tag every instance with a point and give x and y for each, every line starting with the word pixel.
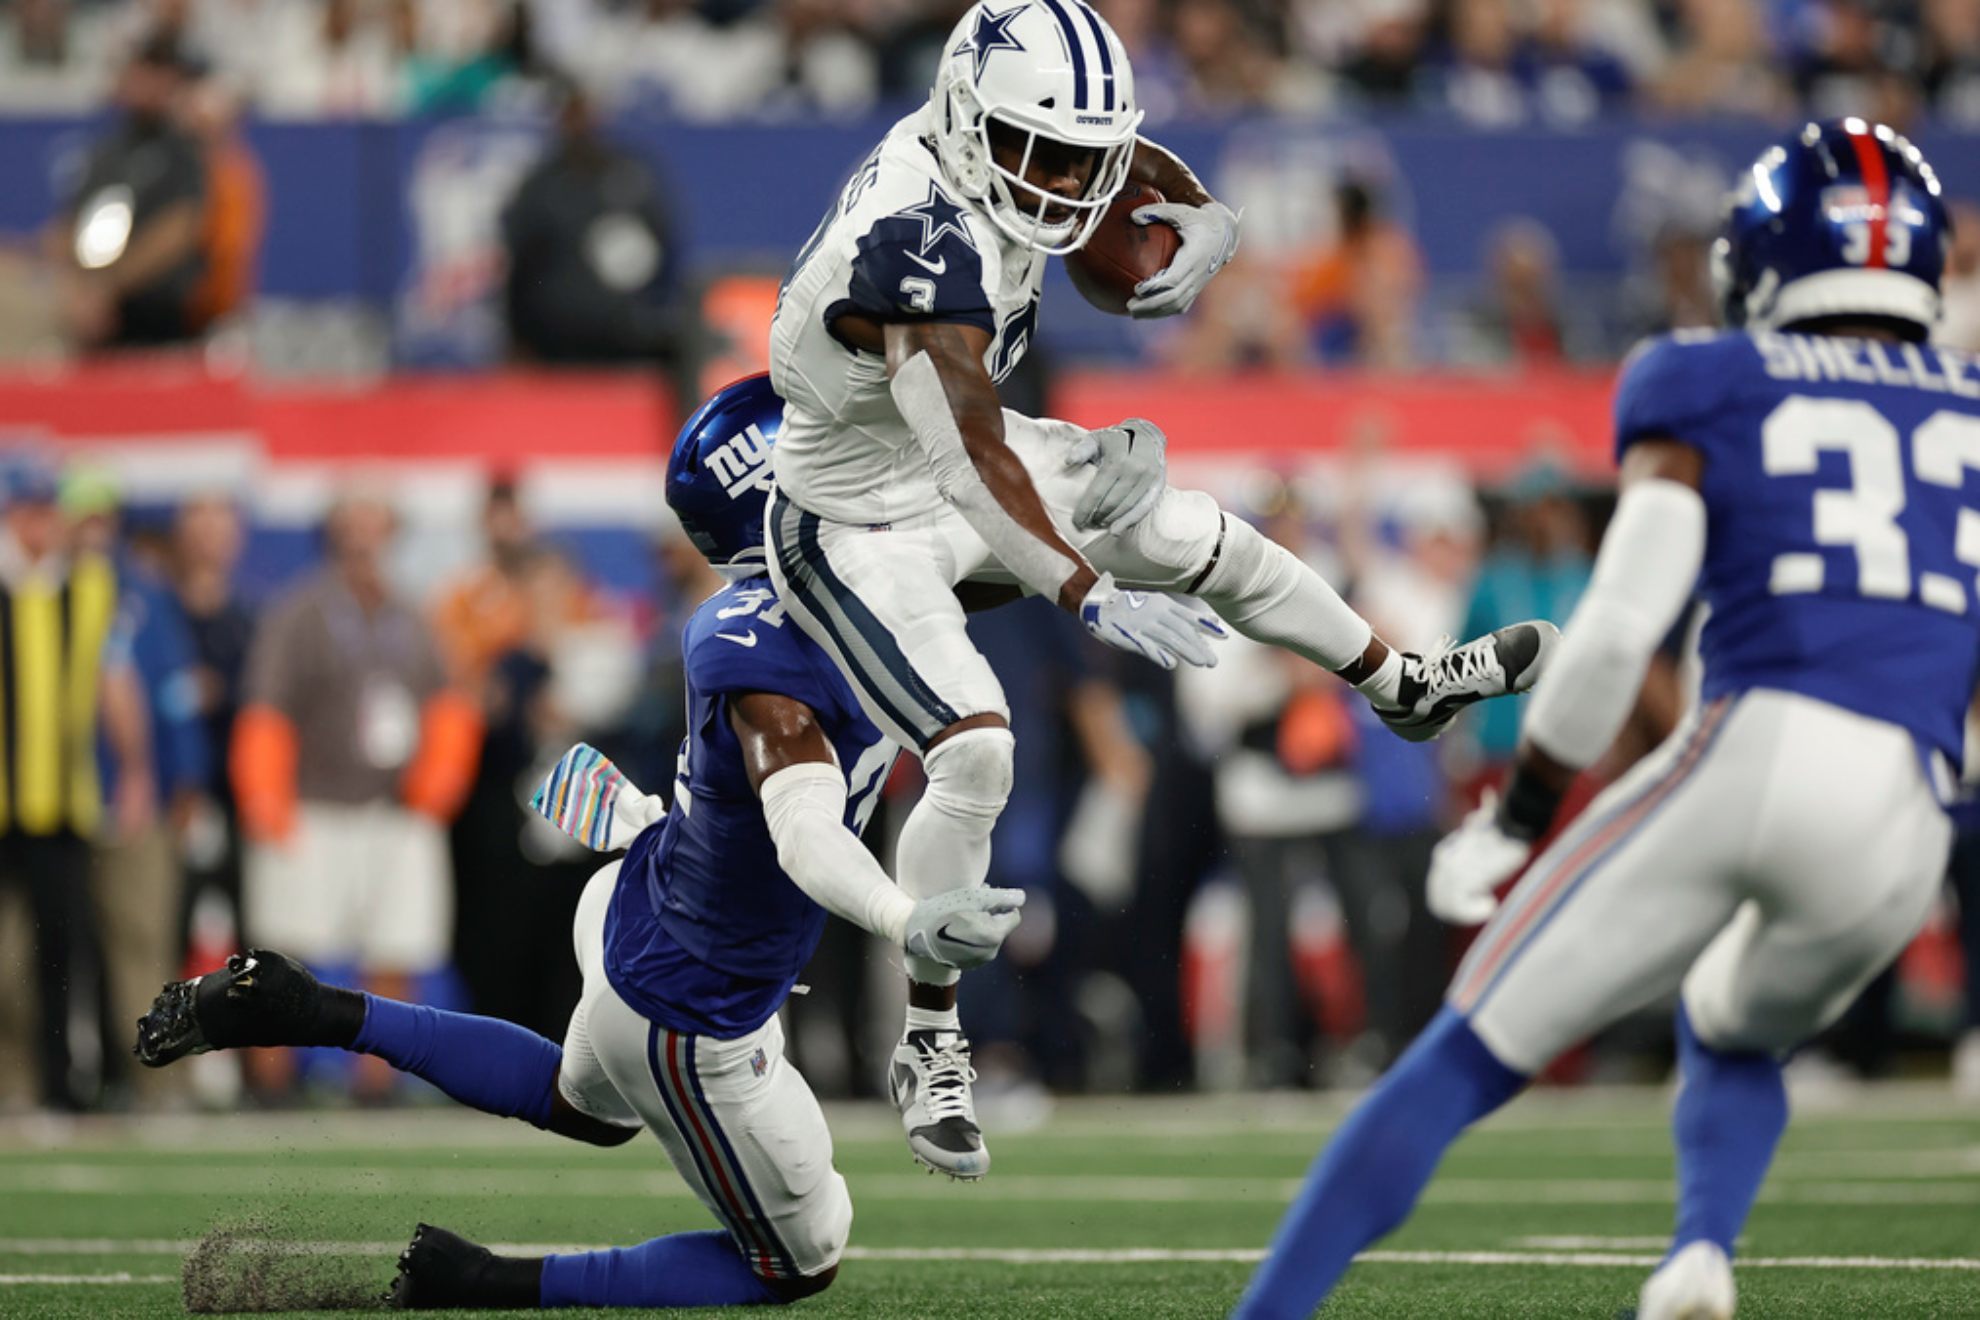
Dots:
pixel 790 764
pixel 1164 171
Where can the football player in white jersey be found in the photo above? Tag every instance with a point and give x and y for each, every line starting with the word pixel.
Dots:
pixel 899 478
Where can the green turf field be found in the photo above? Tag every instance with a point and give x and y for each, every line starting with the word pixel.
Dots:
pixel 1113 1209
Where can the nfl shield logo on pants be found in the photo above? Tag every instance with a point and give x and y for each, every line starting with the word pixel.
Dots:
pixel 757 1063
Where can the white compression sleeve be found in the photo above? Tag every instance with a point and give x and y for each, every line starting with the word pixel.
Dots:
pixel 917 391
pixel 805 807
pixel 1643 577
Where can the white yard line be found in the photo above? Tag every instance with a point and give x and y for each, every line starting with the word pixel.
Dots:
pixel 1012 1256
pixel 78 1178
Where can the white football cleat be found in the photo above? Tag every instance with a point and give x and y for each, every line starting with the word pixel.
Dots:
pixel 1695 1284
pixel 929 1080
pixel 1435 687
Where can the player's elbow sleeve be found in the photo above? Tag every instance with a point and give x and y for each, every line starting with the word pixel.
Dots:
pixel 804 807
pixel 1644 576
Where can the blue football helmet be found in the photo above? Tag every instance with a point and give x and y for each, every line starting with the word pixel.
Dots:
pixel 718 477
pixel 1842 219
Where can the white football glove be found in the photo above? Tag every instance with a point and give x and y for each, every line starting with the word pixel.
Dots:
pixel 1470 864
pixel 1152 624
pixel 1132 470
pixel 1209 240
pixel 964 927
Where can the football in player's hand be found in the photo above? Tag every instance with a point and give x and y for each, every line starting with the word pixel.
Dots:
pixel 1121 253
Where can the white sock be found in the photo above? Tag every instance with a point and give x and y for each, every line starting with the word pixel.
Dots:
pixel 945 843
pixel 932 1019
pixel 1384 686
pixel 1264 591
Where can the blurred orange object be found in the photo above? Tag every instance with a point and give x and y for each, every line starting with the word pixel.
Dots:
pixel 442 771
pixel 262 764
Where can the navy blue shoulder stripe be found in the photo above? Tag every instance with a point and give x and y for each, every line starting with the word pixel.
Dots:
pixel 1106 55
pixel 1073 51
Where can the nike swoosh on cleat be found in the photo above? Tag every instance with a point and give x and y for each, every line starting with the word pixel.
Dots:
pixel 740 639
pixel 932 267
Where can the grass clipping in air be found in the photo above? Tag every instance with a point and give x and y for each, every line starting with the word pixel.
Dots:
pixel 250 1267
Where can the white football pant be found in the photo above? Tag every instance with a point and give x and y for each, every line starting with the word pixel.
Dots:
pixel 737 1120
pixel 1771 858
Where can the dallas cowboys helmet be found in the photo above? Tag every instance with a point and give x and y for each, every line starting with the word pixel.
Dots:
pixel 1032 71
pixel 718 477
pixel 1842 219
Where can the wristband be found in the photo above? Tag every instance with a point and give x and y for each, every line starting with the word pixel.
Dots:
pixel 1528 807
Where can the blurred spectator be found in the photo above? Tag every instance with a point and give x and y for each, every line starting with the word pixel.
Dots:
pixel 1476 77
pixel 137 881
pixel 350 754
pixel 456 68
pixel 1959 322
pixel 1359 296
pixel 1231 67
pixel 335 61
pixel 591 251
pixel 1278 732
pixel 1537 568
pixel 1949 58
pixel 1521 319
pixel 49 56
pixel 1383 43
pixel 236 204
pixel 128 238
pixel 1571 75
pixel 1161 82
pixel 1675 291
pixel 207 539
pixel 485 613
pixel 66 680
pixel 1723 64
pixel 785 58
pixel 518 880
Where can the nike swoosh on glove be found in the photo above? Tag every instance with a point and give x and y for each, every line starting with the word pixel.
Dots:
pixel 964 927
pixel 1209 240
pixel 1152 624
pixel 1469 865
pixel 1133 468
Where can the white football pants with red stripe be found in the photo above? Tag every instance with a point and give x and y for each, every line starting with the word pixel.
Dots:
pixel 738 1121
pixel 1771 858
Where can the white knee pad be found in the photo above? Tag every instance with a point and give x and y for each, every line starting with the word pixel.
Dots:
pixel 969 776
pixel 1174 544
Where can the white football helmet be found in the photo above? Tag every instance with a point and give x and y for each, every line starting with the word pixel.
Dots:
pixel 1048 70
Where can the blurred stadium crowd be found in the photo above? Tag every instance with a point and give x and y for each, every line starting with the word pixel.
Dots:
pixel 1488 62
pixel 1226 870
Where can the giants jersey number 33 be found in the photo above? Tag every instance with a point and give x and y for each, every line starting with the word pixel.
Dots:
pixel 1842 487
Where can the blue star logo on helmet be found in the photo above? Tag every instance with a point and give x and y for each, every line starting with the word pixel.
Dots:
pixel 992 32
pixel 938 216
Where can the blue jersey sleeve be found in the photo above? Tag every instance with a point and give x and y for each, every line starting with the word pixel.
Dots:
pixel 1671 386
pixel 919 264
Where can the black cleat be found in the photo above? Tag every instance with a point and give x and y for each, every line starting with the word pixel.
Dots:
pixel 1437 686
pixel 259 998
pixel 442 1271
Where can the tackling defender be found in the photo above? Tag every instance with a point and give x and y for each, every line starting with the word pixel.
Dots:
pixel 1815 478
pixel 689 944
pixel 898 476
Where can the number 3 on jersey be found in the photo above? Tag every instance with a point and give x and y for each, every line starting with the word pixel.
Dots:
pixel 1865 515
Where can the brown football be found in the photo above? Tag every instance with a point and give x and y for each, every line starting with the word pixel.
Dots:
pixel 1121 253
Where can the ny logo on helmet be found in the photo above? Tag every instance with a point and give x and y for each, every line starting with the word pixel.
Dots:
pixel 742 463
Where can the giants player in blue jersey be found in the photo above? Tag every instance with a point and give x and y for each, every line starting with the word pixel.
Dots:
pixel 689 945
pixel 1813 475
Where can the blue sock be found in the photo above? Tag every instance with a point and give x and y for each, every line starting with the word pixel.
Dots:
pixel 683 1269
pixel 1731 1110
pixel 1367 1180
pixel 486 1063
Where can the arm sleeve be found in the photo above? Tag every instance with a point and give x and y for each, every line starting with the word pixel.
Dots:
pixel 805 808
pixel 917 391
pixel 1643 578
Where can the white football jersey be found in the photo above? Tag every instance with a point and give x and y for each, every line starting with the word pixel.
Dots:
pixel 897 245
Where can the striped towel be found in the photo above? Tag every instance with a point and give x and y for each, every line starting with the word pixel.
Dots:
pixel 590 799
